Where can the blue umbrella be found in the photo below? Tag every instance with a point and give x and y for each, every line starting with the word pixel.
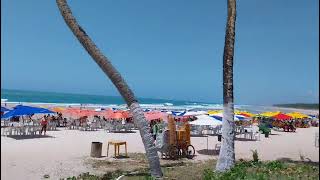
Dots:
pixel 235 117
pixel 21 110
pixel 183 113
pixel 217 117
pixel 3 109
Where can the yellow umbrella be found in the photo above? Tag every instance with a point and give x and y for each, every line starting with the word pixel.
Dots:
pixel 212 112
pixel 297 115
pixel 270 114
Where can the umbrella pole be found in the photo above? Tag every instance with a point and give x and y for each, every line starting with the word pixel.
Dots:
pixel 207 144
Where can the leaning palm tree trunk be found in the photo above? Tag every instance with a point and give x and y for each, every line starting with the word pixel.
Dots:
pixel 227 155
pixel 120 84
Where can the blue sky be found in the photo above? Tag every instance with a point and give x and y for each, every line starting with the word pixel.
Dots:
pixel 165 49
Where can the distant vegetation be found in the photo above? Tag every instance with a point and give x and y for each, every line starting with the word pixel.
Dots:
pixel 299 105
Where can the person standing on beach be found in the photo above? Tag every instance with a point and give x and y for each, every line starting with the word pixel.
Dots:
pixel 44 123
pixel 155 129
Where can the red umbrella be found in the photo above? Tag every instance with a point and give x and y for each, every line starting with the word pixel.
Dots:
pixel 245 114
pixel 282 117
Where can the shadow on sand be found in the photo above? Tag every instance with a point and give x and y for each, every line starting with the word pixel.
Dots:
pixel 198 135
pixel 308 162
pixel 21 137
pixel 121 157
pixel 244 139
pixel 208 152
pixel 122 132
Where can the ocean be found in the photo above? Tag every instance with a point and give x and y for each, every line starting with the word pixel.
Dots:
pixel 67 99
pixel 21 96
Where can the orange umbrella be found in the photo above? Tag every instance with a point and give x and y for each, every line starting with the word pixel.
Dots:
pixel 86 112
pixel 58 109
pixel 127 114
pixel 152 115
pixel 77 112
pixel 106 113
pixel 118 115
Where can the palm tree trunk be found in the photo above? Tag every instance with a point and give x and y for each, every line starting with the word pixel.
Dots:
pixel 226 158
pixel 120 84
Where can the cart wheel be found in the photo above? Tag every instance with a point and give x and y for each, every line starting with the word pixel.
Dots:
pixel 190 152
pixel 173 152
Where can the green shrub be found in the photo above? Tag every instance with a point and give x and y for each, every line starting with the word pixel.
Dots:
pixel 264 128
pixel 265 171
pixel 274 165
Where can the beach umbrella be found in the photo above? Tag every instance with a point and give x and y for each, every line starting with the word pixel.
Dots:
pixel 87 112
pixel 212 112
pixel 176 113
pixel 152 115
pixel 193 113
pixel 270 114
pixel 71 111
pixel 117 115
pixel 58 109
pixel 297 115
pixel 21 110
pixel 3 109
pixel 205 120
pixel 127 114
pixel 245 113
pixel 282 117
pixel 312 116
pixel 106 113
pixel 236 117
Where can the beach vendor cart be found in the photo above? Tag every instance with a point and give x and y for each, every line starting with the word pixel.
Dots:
pixel 175 143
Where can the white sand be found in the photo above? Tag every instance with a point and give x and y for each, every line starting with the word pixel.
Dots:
pixel 63 154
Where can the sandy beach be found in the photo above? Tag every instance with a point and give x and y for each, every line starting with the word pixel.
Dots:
pixel 63 152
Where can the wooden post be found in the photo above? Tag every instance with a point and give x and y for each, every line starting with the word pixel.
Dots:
pixel 96 149
pixel 172 130
pixel 126 149
pixel 108 150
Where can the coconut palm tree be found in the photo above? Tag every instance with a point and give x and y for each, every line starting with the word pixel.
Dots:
pixel 106 66
pixel 227 155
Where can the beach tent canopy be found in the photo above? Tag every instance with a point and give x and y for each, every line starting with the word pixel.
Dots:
pixel 282 117
pixel 297 115
pixel 205 120
pixel 21 110
pixel 3 109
